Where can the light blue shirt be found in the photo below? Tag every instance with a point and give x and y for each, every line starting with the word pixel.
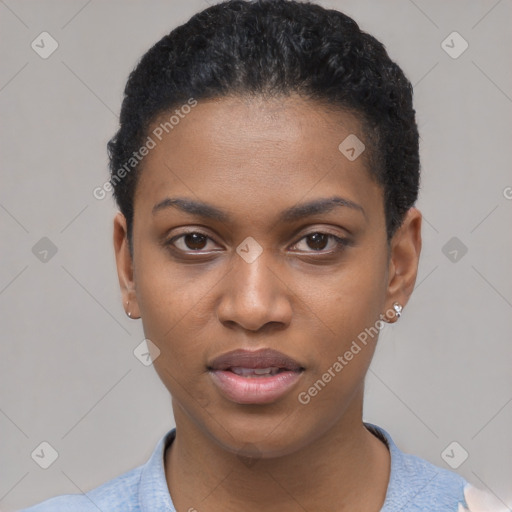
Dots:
pixel 415 485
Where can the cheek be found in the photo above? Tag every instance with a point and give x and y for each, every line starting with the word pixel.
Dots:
pixel 346 322
pixel 342 354
pixel 349 299
pixel 166 291
pixel 175 311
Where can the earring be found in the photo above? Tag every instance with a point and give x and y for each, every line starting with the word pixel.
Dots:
pixel 130 314
pixel 398 309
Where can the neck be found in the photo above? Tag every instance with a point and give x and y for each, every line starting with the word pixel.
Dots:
pixel 347 468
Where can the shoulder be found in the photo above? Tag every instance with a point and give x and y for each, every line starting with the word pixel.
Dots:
pixel 427 485
pixel 141 489
pixel 417 485
pixel 117 495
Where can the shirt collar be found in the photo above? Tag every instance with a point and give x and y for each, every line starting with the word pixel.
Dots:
pixel 412 479
pixel 153 490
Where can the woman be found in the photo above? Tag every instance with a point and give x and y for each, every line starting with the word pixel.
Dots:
pixel 266 170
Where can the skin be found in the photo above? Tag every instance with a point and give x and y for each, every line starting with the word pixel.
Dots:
pixel 252 158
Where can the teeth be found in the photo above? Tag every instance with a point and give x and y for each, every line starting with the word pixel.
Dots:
pixel 248 372
pixel 263 371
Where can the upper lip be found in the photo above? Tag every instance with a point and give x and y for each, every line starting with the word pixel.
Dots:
pixel 262 358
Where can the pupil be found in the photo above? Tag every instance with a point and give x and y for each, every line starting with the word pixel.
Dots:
pixel 195 241
pixel 317 241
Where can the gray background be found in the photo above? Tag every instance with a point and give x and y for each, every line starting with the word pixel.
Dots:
pixel 68 373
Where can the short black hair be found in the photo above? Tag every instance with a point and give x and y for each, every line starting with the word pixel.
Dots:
pixel 273 48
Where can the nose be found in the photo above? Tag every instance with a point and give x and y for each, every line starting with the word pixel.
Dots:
pixel 254 296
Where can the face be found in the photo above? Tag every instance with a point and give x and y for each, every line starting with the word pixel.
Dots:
pixel 251 231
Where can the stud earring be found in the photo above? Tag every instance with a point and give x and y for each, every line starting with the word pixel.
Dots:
pixel 398 309
pixel 130 314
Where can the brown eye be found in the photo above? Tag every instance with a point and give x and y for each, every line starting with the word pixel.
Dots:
pixel 190 242
pixel 195 241
pixel 317 241
pixel 324 243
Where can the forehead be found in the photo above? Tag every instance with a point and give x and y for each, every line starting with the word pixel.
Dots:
pixel 236 151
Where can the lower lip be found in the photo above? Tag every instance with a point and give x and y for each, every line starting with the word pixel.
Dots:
pixel 254 390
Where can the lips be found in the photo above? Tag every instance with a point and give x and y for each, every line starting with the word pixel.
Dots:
pixel 254 377
pixel 258 359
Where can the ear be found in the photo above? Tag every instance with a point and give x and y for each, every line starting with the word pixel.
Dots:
pixel 403 262
pixel 125 267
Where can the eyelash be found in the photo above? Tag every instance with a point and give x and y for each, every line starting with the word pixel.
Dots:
pixel 341 243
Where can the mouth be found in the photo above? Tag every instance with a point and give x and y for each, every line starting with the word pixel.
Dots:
pixel 254 377
pixel 256 372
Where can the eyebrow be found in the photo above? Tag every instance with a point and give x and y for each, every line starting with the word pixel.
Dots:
pixel 297 212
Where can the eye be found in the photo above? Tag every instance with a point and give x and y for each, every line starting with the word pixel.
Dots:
pixel 192 241
pixel 318 241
